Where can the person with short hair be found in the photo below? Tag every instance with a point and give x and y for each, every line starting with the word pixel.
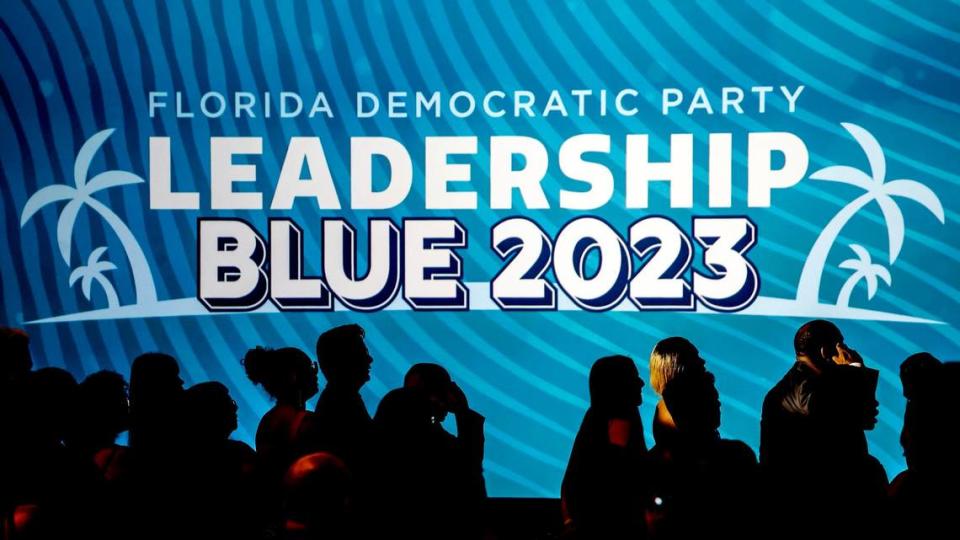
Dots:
pixel 819 474
pixel 341 424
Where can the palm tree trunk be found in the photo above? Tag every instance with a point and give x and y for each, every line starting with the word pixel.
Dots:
pixel 843 299
pixel 142 275
pixel 109 291
pixel 808 288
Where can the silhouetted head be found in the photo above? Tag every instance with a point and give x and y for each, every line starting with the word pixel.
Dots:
pixel 287 374
pixel 671 357
pixel 433 381
pixel 209 411
pixel 317 490
pixel 15 360
pixel 51 395
pixel 848 394
pixel 615 384
pixel 816 342
pixel 103 408
pixel 930 438
pixel 694 403
pixel 343 356
pixel 403 412
pixel 154 377
pixel 917 373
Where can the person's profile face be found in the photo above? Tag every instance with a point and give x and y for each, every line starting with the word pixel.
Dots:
pixel 638 389
pixel 233 418
pixel 358 362
pixel 307 380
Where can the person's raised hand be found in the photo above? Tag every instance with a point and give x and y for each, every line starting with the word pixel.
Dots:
pixel 456 399
pixel 847 356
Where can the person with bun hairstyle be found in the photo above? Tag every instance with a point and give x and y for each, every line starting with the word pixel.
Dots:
pixel 290 377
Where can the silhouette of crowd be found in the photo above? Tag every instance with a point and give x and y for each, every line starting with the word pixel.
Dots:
pixel 337 472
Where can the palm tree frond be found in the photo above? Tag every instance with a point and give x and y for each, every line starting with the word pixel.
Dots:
pixel 95 255
pixel 863 256
pixel 850 264
pixel 882 272
pixel 77 274
pixel 895 228
pixel 43 197
pixel 68 218
pixel 85 156
pixel 915 191
pixel 844 175
pixel 110 179
pixel 103 266
pixel 872 148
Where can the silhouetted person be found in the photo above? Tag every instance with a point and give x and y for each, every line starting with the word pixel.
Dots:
pixel 605 485
pixel 50 486
pixel 812 443
pixel 317 499
pixel 216 499
pixel 102 414
pixel 156 431
pixel 155 392
pixel 669 358
pixel 702 485
pixel 918 375
pixel 15 359
pixel 15 366
pixel 446 397
pixel 424 480
pixel 290 377
pixel 926 495
pixel 342 425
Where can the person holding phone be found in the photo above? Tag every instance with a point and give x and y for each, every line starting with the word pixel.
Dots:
pixel 818 472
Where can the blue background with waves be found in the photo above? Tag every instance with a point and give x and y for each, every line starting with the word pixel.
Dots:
pixel 71 69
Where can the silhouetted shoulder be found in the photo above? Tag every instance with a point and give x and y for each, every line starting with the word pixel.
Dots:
pixel 738 452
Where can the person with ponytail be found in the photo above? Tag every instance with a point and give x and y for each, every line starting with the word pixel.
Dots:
pixel 289 376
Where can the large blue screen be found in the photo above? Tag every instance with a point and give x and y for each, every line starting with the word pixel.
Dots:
pixel 812 173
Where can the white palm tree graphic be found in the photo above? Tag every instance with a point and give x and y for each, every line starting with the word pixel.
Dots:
pixel 80 195
pixel 877 189
pixel 93 272
pixel 864 269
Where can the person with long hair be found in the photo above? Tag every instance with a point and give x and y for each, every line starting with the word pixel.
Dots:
pixel 604 488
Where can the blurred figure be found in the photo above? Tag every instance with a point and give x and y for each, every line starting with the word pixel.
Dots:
pixel 290 377
pixel 317 499
pixel 605 485
pixel 216 495
pixel 669 358
pixel 925 496
pixel 812 441
pixel 342 425
pixel 702 485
